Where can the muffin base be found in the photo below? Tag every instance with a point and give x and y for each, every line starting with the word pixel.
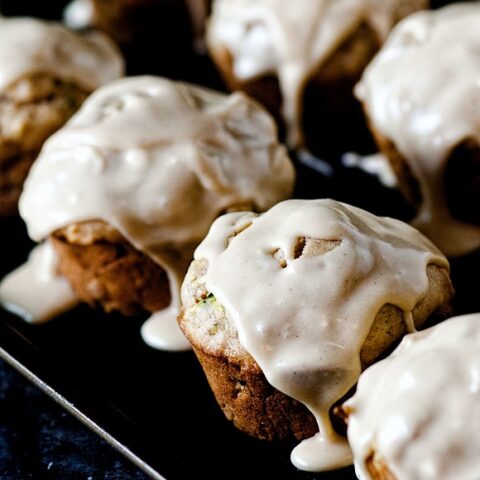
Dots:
pixel 104 269
pixel 238 383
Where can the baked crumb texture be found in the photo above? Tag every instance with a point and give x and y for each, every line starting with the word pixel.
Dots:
pixel 329 90
pixel 104 269
pixel 31 110
pixel 239 385
pixel 332 119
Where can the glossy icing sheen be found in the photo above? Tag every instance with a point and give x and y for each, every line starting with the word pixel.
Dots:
pixel 29 46
pixel 375 164
pixel 419 409
pixel 293 38
pixel 421 92
pixel 49 293
pixel 159 161
pixel 305 324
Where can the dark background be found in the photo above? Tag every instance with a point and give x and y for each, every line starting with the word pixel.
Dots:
pixel 38 439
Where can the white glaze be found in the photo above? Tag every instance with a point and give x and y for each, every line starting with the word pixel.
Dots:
pixel 30 46
pixel 419 409
pixel 375 164
pixel 160 332
pixel 422 92
pixel 48 294
pixel 292 39
pixel 305 324
pixel 79 14
pixel 159 161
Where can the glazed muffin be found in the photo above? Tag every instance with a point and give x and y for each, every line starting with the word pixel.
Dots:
pixel 302 60
pixel 129 187
pixel 416 414
pixel 420 94
pixel 284 309
pixel 126 20
pixel 45 74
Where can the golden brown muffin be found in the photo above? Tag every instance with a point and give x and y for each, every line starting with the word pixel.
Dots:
pixel 30 111
pixel 329 112
pixel 104 269
pixel 414 414
pixel 418 94
pixel 47 72
pixel 329 90
pixel 156 162
pixel 237 381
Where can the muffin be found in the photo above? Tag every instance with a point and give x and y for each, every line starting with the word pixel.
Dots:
pixel 284 309
pixel 416 414
pixel 46 72
pixel 129 187
pixel 302 59
pixel 420 94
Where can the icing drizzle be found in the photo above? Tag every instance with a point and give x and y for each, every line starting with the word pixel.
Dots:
pixel 419 409
pixel 293 39
pixel 421 92
pixel 159 161
pixel 31 46
pixel 305 319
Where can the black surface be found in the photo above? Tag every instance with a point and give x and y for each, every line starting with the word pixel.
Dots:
pixel 39 439
pixel 156 404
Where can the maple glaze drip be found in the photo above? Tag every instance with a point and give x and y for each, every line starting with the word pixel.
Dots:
pixel 421 92
pixel 158 161
pixel 419 409
pixel 304 320
pixel 293 39
pixel 37 291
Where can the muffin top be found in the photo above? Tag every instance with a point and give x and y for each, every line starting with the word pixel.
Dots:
pixel 304 316
pixel 30 46
pixel 158 161
pixel 418 410
pixel 292 39
pixel 422 93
